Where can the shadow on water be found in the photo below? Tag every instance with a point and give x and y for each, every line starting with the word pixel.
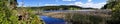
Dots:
pixel 50 20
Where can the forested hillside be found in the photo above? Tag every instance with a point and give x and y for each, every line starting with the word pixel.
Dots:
pixel 61 7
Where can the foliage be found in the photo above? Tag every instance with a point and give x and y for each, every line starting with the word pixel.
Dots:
pixel 73 8
pixel 114 5
pixel 116 14
pixel 34 19
pixel 109 5
pixel 10 16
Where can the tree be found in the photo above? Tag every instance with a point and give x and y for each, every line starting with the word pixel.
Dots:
pixel 110 4
pixel 114 5
pixel 10 16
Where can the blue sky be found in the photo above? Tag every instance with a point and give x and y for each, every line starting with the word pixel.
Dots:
pixel 82 3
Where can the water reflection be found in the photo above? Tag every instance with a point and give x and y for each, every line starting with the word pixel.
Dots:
pixel 50 20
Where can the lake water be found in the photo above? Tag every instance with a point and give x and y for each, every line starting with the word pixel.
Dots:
pixel 50 20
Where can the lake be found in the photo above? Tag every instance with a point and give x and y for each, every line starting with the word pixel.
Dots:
pixel 50 20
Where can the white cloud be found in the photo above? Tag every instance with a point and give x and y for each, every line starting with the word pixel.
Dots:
pixel 86 5
pixel 78 3
pixel 89 0
pixel 90 4
pixel 20 3
pixel 68 0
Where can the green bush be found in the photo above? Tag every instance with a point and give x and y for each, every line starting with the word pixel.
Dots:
pixel 115 15
pixel 10 16
pixel 114 5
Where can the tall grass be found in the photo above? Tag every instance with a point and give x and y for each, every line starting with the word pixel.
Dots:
pixel 76 18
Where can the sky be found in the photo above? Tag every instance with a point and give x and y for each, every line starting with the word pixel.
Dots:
pixel 81 3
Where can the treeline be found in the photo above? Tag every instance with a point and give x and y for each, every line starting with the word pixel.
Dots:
pixel 61 7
